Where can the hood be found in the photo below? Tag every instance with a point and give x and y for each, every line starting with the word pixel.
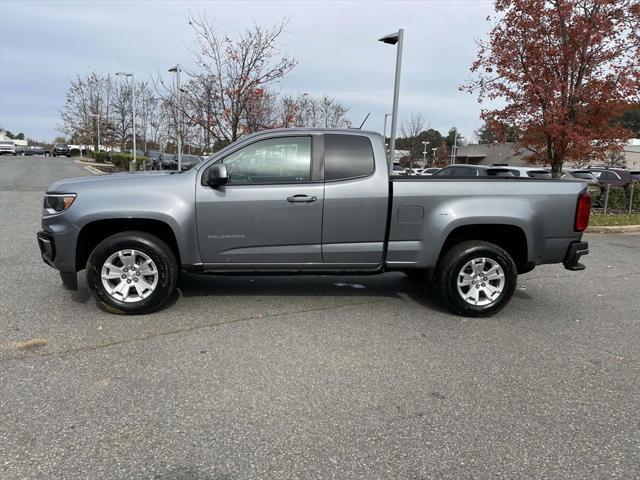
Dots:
pixel 73 185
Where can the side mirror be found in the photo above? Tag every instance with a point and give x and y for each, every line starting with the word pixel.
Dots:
pixel 217 176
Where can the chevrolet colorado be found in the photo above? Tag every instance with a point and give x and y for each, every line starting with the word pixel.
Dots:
pixel 302 201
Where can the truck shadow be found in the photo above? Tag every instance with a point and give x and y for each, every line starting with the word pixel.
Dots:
pixel 390 285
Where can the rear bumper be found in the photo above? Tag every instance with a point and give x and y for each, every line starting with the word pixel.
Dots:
pixel 575 251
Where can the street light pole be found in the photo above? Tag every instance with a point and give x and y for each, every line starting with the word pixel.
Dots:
pixel 133 109
pixel 98 116
pixel 176 70
pixel 392 39
pixel 384 132
pixel 454 147
pixel 424 154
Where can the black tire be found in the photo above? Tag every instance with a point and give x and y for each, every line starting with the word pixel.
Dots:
pixel 450 266
pixel 155 249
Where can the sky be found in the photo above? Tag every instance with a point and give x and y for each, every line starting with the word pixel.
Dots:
pixel 45 43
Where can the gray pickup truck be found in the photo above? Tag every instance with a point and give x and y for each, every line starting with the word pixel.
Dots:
pixel 301 201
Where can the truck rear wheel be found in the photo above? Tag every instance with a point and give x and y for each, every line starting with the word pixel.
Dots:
pixel 132 273
pixel 476 278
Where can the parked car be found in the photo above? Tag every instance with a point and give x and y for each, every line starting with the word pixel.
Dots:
pixel 189 161
pixel 593 187
pixel 530 172
pixel 170 161
pixel 167 161
pixel 616 177
pixel 399 169
pixel 60 149
pixel 154 157
pixel 635 175
pixel 7 147
pixel 464 170
pixel 308 201
pixel 34 150
pixel 429 171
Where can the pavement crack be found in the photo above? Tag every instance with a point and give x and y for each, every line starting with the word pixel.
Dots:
pixel 151 336
pixel 613 277
pixel 563 340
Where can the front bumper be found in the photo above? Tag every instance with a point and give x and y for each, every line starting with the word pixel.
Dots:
pixel 575 251
pixel 47 247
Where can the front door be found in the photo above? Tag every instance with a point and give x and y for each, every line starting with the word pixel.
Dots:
pixel 269 214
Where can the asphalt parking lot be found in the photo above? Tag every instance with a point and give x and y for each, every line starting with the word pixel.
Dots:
pixel 313 377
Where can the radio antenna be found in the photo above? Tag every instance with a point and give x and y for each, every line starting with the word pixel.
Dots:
pixel 365 119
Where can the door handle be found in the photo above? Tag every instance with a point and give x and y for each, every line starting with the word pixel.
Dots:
pixel 301 199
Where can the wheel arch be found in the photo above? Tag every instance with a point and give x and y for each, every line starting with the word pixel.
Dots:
pixel 511 238
pixel 94 232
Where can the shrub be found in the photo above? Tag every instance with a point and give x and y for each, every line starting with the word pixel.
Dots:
pixel 617 198
pixel 635 204
pixel 122 160
pixel 100 157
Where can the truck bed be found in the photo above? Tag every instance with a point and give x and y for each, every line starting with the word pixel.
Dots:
pixel 426 211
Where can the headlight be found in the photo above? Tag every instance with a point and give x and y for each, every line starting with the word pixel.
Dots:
pixel 58 202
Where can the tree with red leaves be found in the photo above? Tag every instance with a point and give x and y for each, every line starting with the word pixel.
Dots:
pixel 564 71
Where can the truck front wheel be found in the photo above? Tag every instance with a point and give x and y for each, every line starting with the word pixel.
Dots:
pixel 132 273
pixel 476 278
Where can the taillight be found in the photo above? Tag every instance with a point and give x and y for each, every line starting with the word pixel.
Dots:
pixel 582 212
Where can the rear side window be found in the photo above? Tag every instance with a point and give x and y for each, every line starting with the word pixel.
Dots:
pixel 500 172
pixel 609 176
pixel 464 172
pixel 347 156
pixel 539 174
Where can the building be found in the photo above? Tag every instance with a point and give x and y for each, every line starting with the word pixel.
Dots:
pixel 631 154
pixel 489 154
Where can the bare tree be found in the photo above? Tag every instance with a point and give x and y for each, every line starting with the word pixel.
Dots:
pixel 231 77
pixel 86 101
pixel 307 111
pixel 411 129
pixel 121 122
pixel 615 159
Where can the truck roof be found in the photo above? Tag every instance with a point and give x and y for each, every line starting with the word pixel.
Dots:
pixel 312 130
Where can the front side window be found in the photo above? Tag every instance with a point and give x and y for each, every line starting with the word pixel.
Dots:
pixel 445 172
pixel 584 175
pixel 276 160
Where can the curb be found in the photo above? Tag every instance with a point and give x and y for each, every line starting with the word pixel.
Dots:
pixel 94 170
pixel 614 229
pixel 92 167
